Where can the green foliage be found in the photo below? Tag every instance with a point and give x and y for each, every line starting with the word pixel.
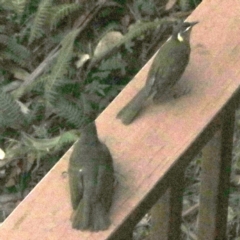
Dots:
pixel 147 7
pixel 3 39
pixel 67 137
pixel 136 30
pixel 187 5
pixel 49 144
pixel 7 5
pixel 71 112
pixel 50 15
pixel 16 52
pixel 184 5
pixel 59 69
pixel 43 13
pixel 19 6
pixel 61 11
pixel 10 113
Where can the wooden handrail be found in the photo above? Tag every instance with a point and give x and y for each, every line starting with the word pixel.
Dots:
pixel 151 154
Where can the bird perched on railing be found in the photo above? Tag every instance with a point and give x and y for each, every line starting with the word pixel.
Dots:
pixel 167 68
pixel 91 179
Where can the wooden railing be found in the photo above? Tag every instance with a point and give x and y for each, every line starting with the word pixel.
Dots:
pixel 151 154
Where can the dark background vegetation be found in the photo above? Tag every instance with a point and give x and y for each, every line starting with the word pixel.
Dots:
pixel 61 63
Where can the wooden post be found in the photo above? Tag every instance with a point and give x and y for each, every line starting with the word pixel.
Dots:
pixel 166 213
pixel 216 168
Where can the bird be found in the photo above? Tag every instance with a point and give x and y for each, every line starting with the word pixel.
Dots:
pixel 91 180
pixel 167 68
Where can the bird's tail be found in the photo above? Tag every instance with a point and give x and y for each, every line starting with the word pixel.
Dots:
pixel 89 216
pixel 131 110
pixel 82 216
pixel 100 218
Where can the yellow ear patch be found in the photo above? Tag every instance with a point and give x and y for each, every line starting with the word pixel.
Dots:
pixel 180 38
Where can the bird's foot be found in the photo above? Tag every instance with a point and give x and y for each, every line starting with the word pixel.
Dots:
pixel 162 98
pixel 181 92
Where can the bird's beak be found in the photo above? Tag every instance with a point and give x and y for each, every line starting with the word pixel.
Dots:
pixel 193 23
pixel 187 32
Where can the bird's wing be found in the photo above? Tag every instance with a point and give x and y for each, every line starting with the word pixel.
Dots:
pixel 83 218
pixel 76 186
pixel 105 179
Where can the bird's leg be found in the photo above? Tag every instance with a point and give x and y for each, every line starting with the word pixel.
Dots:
pixel 181 89
pixel 163 97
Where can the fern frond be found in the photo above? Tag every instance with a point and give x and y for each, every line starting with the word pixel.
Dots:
pixel 43 12
pixel 39 144
pixel 7 5
pixel 61 11
pixel 69 38
pixel 20 52
pixel 185 5
pixel 60 67
pixel 67 137
pixel 36 85
pixel 47 144
pixel 8 55
pixel 10 112
pixel 19 6
pixel 70 112
pixel 3 39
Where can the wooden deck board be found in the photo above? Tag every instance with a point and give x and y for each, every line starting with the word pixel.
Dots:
pixel 147 149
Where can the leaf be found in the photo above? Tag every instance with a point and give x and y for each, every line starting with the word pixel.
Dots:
pixel 2 154
pixel 70 112
pixel 40 144
pixel 61 11
pixel 48 144
pixel 82 59
pixel 10 112
pixel 19 73
pixel 43 13
pixel 59 69
pixel 19 6
pixel 107 42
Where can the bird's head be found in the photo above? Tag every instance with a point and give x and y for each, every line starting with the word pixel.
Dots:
pixel 182 31
pixel 89 132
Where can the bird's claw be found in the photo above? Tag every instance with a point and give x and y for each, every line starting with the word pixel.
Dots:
pixel 179 93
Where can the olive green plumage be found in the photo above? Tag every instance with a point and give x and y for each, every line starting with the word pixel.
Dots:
pixel 91 179
pixel 167 68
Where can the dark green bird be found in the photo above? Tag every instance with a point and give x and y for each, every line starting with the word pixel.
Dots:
pixel 91 179
pixel 167 68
